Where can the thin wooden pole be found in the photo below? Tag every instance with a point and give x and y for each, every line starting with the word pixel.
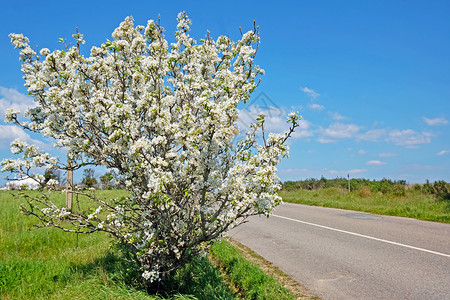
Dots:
pixel 69 189
pixel 348 177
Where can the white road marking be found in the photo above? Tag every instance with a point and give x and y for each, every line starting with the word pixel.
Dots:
pixel 364 236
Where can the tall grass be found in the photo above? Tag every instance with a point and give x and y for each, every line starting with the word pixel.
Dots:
pixel 48 263
pixel 51 264
pixel 410 203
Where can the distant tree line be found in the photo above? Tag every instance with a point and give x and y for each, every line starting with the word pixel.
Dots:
pixel 440 189
pixel 108 181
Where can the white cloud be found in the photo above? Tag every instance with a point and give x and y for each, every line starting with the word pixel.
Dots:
pixel 435 121
pixel 11 98
pixel 303 131
pixel 443 152
pixel 356 171
pixel 362 151
pixel 325 140
pixel 9 133
pixel 375 163
pixel 372 135
pixel 275 121
pixel 310 92
pixel 293 171
pixel 420 168
pixel 350 172
pixel 338 131
pixel 409 138
pixel 315 106
pixel 338 117
pixel 275 118
pixel 296 174
pixel 387 154
pixel 16 184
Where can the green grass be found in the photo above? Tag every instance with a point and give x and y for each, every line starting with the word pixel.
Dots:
pixel 51 264
pixel 412 205
pixel 246 277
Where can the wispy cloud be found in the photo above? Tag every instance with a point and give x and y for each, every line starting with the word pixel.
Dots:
pixel 303 131
pixel 362 151
pixel 9 133
pixel 275 118
pixel 11 98
pixel 296 174
pixel 315 106
pixel 387 154
pixel 443 152
pixel 435 121
pixel 310 92
pixel 338 131
pixel 338 117
pixel 275 121
pixel 375 163
pixel 371 135
pixel 294 171
pixel 409 138
pixel 356 171
pixel 350 172
pixel 420 167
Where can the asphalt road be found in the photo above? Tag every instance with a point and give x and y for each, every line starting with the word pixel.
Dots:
pixel 341 254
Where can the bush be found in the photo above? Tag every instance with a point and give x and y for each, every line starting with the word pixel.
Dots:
pixel 441 189
pixel 384 186
pixel 365 191
pixel 165 117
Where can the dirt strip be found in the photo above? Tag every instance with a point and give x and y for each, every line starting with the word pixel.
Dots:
pixel 285 280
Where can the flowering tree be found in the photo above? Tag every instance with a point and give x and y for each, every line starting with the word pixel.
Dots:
pixel 164 117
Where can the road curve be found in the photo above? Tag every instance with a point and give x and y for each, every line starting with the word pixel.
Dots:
pixel 342 254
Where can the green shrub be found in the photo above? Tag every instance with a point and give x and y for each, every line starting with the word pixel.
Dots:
pixel 442 190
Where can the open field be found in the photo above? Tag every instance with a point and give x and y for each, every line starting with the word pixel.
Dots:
pixel 50 264
pixel 410 203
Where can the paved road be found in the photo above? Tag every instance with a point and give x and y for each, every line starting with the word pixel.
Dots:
pixel 341 254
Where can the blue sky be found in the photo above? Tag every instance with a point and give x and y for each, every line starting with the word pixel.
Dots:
pixel 370 78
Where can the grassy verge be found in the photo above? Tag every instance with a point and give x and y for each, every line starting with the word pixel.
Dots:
pixel 50 264
pixel 246 278
pixel 411 205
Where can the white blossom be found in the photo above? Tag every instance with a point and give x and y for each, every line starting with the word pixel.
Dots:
pixel 44 51
pixel 18 40
pixel 95 213
pixel 10 113
pixel 165 116
pixel 150 275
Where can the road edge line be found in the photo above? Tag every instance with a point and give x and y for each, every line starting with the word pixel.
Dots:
pixel 364 236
